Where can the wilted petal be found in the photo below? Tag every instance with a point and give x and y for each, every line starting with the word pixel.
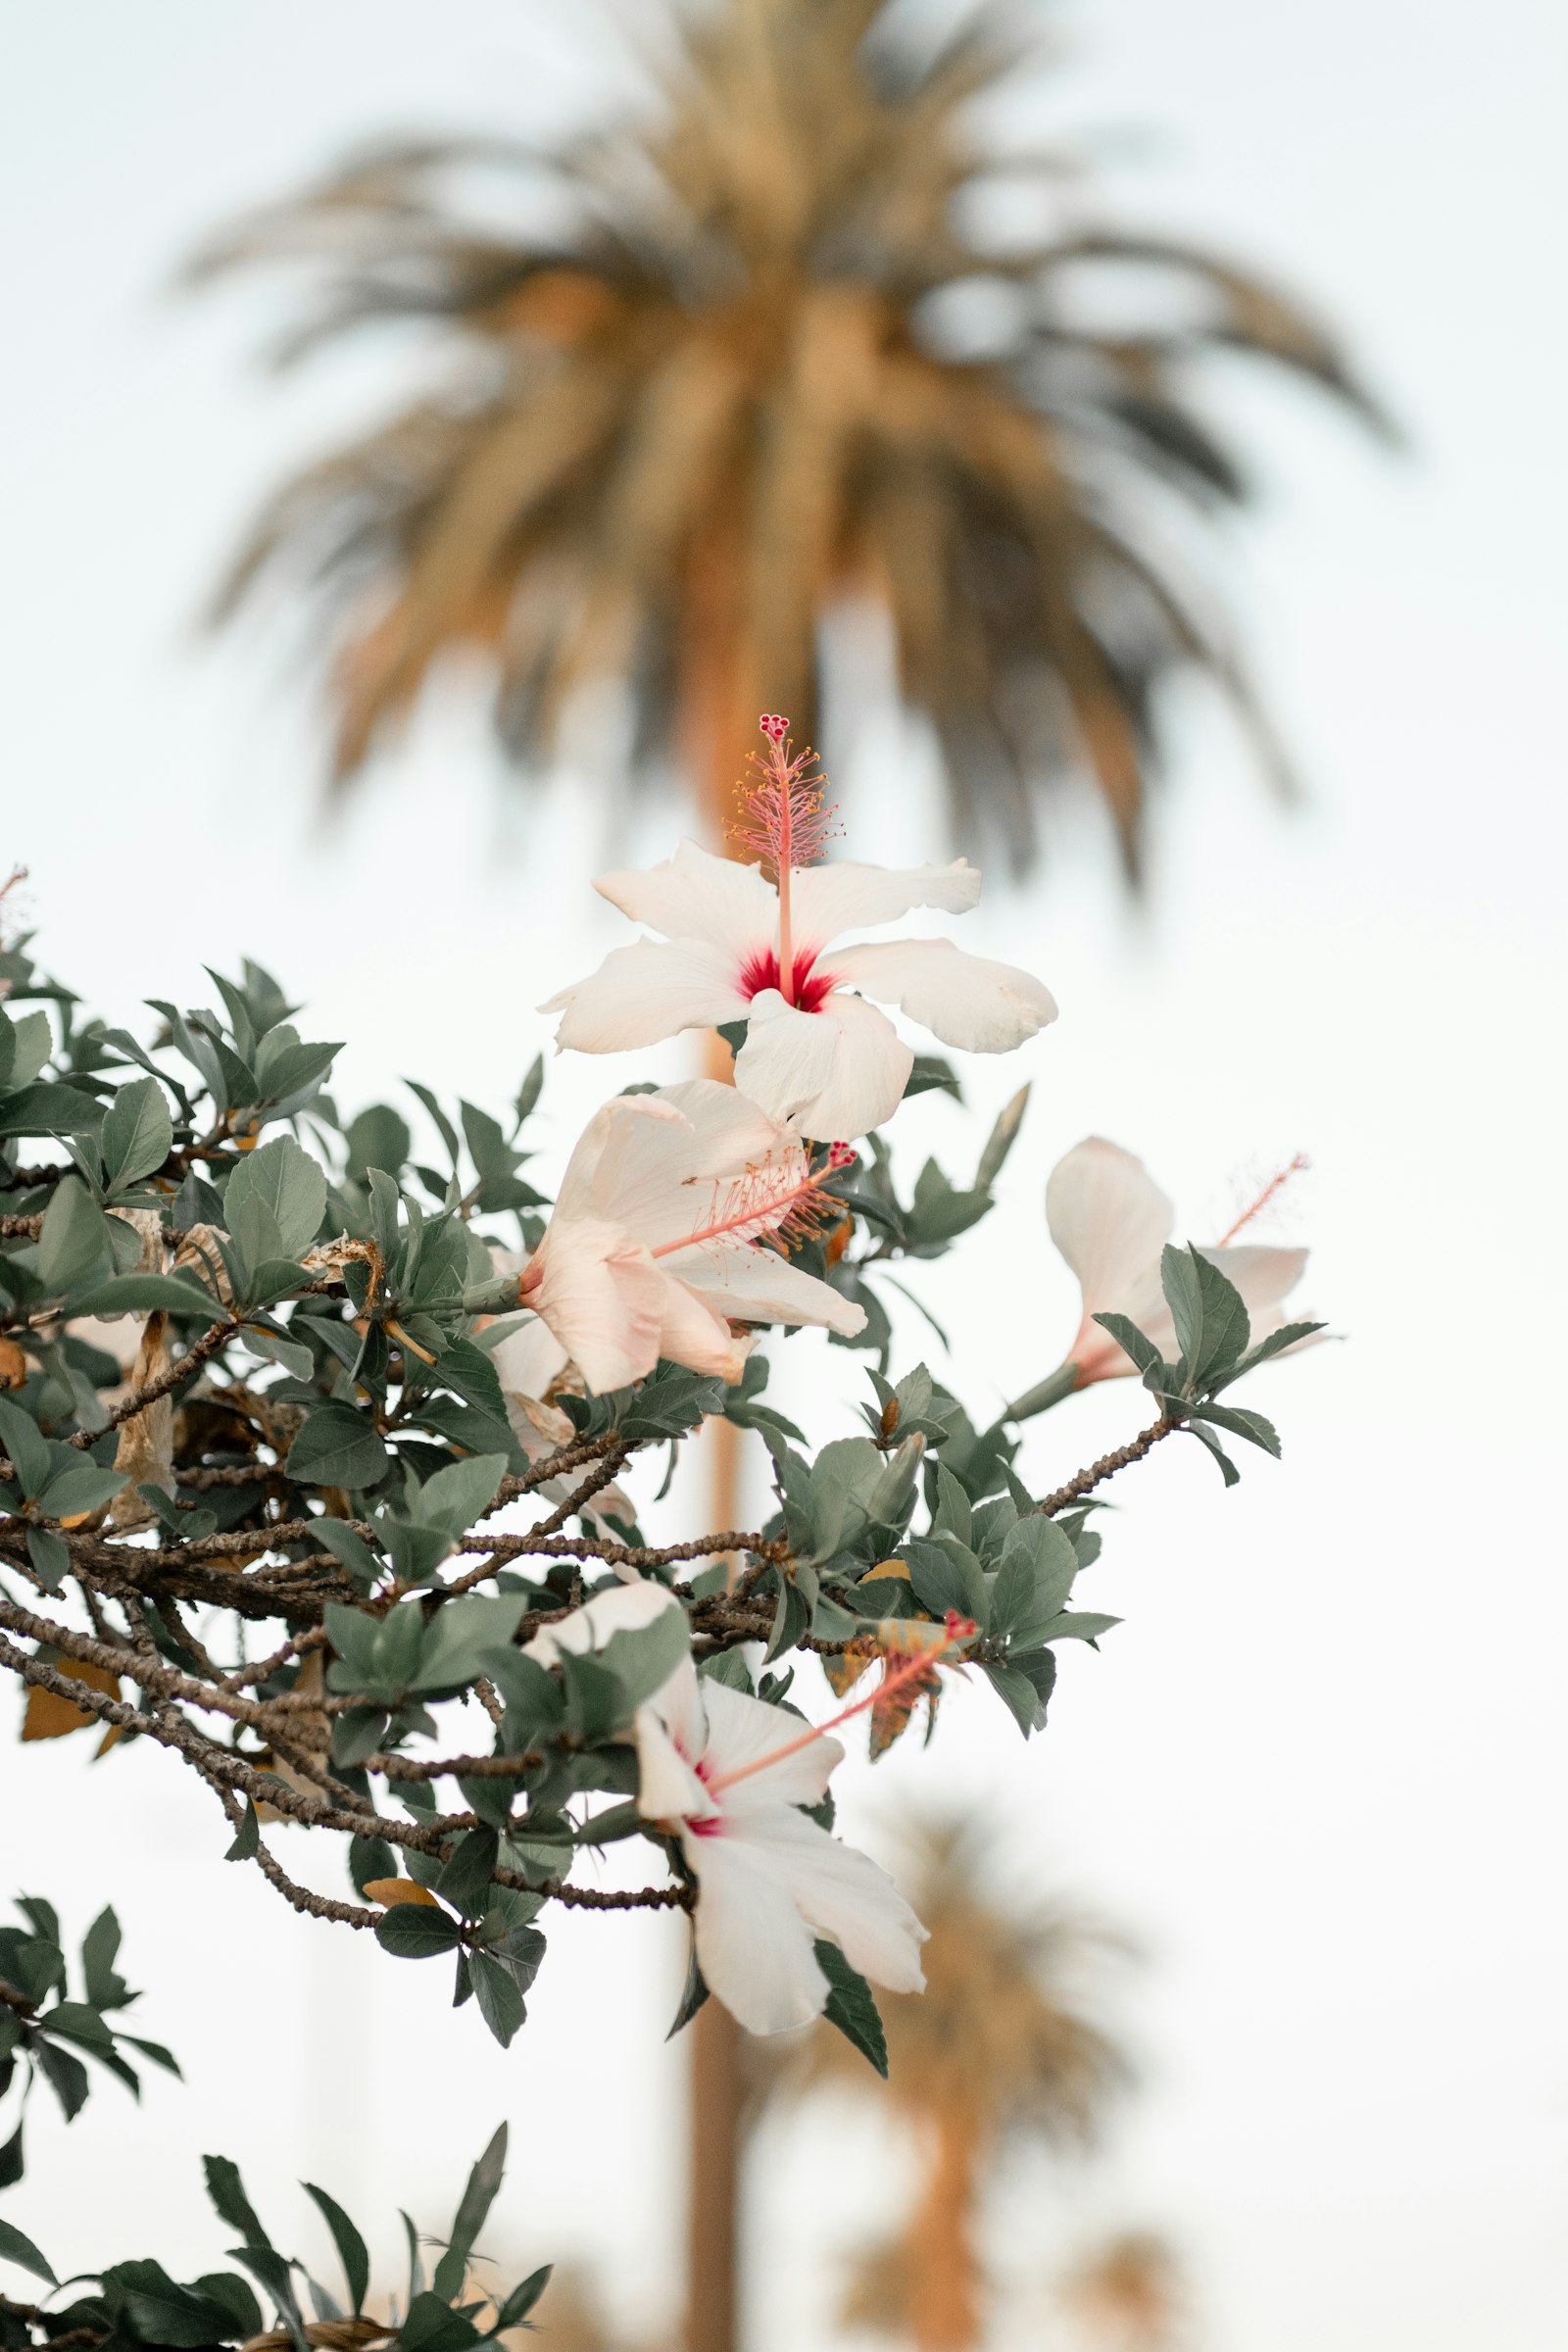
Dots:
pixel 695 895
pixel 963 999
pixel 829 900
pixel 834 1074
pixel 651 990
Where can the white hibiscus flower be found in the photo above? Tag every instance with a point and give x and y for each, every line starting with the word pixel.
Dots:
pixel 652 1247
pixel 741 947
pixel 1110 1221
pixel 727 1776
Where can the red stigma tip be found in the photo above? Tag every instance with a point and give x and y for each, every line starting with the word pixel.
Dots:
pixel 959 1629
pixel 773 727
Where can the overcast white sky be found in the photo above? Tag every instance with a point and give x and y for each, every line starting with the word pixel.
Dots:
pixel 1319 1768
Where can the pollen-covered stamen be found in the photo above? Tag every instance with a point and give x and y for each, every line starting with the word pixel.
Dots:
pixel 780 1201
pixel 920 1662
pixel 784 815
pixel 1274 1184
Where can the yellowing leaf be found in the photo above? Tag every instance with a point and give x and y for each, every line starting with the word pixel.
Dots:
pixel 48 1716
pixel 388 1892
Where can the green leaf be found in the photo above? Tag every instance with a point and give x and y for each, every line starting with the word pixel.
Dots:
pixel 75 1236
pixel 100 1947
pixel 1000 1141
pixel 1289 1335
pixel 66 2076
pixel 461 1493
pixel 50 1555
pixel 350 1550
pixel 1021 1697
pixel 156 2309
pixel 416 1931
pixel 137 1135
pixel 1132 1341
pixel 1242 1422
pixel 1212 1326
pixel 351 2247
pixel 522 2300
pixel 26 1446
pixel 227 2191
pixel 642 1658
pixel 50 1111
pixel 149 1294
pixel 248 1838
pixel 378 1139
pixel 281 1179
pixel 272 2269
pixel 851 2007
pixel 81 1487
pixel 464 1879
pixel 434 2327
pixel 459 1637
pixel 1039 1562
pixel 477 2198
pixel 14 2247
pixel 501 2003
pixel 337 1447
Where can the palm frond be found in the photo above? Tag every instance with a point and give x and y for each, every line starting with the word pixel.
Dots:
pixel 696 386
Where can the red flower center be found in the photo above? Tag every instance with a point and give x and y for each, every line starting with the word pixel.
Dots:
pixel 761 970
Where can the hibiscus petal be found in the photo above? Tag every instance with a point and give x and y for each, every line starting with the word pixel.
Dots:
pixel 528 1360
pixel 667 1788
pixel 963 999
pixel 651 990
pixel 623 1609
pixel 656 1175
pixel 841 1891
pixel 695 895
pixel 1110 1220
pixel 740 1730
pixel 758 1286
pixel 827 899
pixel 1263 1276
pixel 582 1192
pixel 604 1298
pixel 753 1946
pixel 833 1074
pixel 694 1334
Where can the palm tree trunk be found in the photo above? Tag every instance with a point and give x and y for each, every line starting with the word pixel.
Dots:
pixel 945 2297
pixel 711 695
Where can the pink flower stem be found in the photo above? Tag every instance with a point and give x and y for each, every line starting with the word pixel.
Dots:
pixel 786 852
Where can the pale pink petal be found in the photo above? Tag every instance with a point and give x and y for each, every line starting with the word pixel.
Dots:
pixel 603 1296
pixel 741 1731
pixel 695 895
pixel 753 1946
pixel 694 1334
pixel 963 999
pixel 834 1074
pixel 828 899
pixel 840 1890
pixel 651 990
pixel 663 1176
pixel 528 1360
pixel 1110 1220
pixel 751 1285
pixel 582 1192
pixel 1263 1276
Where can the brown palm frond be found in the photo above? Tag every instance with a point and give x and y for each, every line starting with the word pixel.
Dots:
pixel 715 376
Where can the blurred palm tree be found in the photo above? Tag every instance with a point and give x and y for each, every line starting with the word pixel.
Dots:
pixel 1002 2046
pixel 1130 2293
pixel 763 351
